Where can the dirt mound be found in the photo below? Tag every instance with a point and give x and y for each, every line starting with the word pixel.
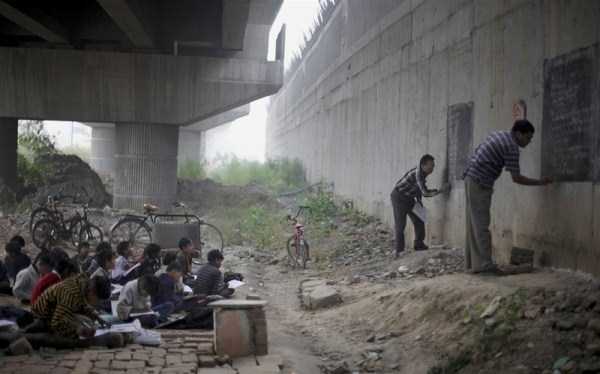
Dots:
pixel 206 195
pixel 71 176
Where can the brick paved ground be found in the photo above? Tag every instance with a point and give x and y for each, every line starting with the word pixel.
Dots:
pixel 181 352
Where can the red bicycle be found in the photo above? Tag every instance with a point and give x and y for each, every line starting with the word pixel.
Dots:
pixel 297 246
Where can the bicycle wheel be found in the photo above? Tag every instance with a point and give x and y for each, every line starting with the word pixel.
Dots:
pixel 76 226
pixel 44 233
pixel 292 253
pixel 303 253
pixel 135 231
pixel 91 234
pixel 39 214
pixel 210 238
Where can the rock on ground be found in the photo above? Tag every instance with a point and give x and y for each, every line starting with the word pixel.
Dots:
pixel 317 294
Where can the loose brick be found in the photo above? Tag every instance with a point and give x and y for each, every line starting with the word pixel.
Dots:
pixel 189 358
pixel 68 364
pixel 102 364
pixel 106 356
pixel 141 356
pixel 152 371
pixel 119 365
pixel 136 364
pixel 156 362
pixel 123 356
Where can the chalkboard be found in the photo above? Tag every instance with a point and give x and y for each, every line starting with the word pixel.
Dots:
pixel 570 127
pixel 460 138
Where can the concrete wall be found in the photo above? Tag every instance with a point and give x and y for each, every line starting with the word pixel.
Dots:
pixel 190 146
pixel 373 94
pixel 103 148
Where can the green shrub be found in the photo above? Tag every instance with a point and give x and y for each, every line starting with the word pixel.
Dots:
pixel 276 175
pixel 191 169
pixel 33 143
pixel 322 212
pixel 262 228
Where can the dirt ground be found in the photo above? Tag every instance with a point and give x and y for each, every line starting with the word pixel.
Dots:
pixel 417 314
pixel 428 325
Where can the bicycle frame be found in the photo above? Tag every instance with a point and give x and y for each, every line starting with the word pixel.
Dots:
pixel 155 218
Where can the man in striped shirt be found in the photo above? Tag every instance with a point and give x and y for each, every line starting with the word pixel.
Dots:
pixel 408 191
pixel 499 151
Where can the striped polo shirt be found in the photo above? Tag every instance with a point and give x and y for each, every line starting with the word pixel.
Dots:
pixel 59 304
pixel 498 151
pixel 413 185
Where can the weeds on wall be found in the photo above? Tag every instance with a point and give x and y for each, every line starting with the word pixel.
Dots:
pixel 326 10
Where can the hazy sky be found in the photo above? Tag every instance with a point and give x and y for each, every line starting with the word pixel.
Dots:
pixel 245 137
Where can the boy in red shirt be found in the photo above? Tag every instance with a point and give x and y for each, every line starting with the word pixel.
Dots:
pixel 63 270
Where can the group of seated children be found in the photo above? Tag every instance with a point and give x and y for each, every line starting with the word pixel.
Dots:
pixel 67 295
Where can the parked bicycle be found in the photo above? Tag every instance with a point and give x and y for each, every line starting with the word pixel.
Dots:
pixel 50 226
pixel 137 229
pixel 297 245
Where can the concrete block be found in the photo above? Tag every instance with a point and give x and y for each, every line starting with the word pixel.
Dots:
pixel 323 297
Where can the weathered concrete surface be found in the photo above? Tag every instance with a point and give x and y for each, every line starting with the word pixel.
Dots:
pixel 132 88
pixel 146 165
pixel 8 151
pixel 373 94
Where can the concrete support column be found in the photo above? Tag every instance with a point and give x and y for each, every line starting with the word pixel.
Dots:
pixel 190 145
pixel 145 165
pixel 103 149
pixel 8 151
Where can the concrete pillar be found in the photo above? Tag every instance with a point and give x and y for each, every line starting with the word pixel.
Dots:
pixel 103 148
pixel 190 145
pixel 8 151
pixel 145 165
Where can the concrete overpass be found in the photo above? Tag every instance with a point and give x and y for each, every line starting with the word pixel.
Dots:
pixel 147 66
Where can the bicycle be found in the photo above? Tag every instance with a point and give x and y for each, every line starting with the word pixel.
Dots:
pixel 50 207
pixel 55 227
pixel 137 230
pixel 297 246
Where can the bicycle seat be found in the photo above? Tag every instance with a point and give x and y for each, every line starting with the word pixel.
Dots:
pixel 149 208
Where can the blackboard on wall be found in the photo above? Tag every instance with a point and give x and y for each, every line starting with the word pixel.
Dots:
pixel 570 124
pixel 459 138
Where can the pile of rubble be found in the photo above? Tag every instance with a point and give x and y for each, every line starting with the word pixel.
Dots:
pixel 439 262
pixel 361 241
pixel 71 176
